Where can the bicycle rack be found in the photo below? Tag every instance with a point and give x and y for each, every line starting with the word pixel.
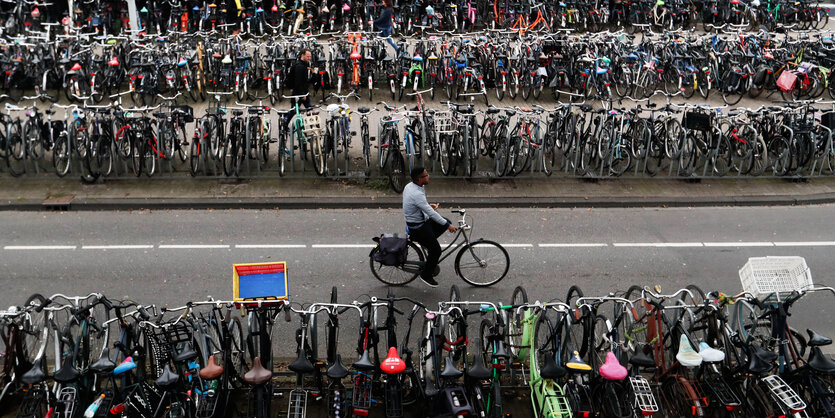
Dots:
pixel 644 399
pixel 361 395
pixel 783 393
pixel 393 397
pixel 720 390
pixel 298 403
pixel 67 397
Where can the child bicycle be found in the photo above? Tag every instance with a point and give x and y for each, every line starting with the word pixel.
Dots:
pixel 478 262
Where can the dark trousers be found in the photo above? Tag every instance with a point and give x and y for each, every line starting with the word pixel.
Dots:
pixel 302 102
pixel 427 236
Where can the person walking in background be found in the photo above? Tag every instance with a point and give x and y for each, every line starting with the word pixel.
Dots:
pixel 298 77
pixel 384 23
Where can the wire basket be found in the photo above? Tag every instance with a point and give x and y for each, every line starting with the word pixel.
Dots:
pixel 445 123
pixel 763 276
pixel 312 125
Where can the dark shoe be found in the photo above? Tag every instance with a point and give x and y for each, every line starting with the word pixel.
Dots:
pixel 429 282
pixel 437 271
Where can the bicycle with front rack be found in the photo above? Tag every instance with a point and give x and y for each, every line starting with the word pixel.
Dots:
pixel 478 262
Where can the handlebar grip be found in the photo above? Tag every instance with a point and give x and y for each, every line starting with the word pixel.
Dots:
pixel 106 302
pixel 287 317
pixel 43 305
pixel 143 313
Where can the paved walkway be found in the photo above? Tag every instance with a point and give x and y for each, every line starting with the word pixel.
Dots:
pixel 34 194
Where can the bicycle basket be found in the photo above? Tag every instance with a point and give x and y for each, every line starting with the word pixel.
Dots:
pixel 697 121
pixel 762 276
pixel 445 123
pixel 311 124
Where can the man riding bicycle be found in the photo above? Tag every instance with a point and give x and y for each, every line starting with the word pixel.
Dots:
pixel 424 223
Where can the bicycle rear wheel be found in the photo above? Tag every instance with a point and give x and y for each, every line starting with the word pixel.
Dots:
pixel 397 172
pixel 399 275
pixel 482 263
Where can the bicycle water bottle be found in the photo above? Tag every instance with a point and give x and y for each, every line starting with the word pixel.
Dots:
pixel 91 410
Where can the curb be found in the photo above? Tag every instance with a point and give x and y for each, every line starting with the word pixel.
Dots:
pixel 341 202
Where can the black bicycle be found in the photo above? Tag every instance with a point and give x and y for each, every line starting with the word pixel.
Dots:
pixel 478 262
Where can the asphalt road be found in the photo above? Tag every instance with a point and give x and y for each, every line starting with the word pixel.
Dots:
pixel 170 257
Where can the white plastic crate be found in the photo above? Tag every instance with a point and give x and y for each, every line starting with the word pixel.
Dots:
pixel 762 276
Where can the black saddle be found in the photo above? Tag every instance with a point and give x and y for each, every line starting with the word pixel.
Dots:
pixel 67 373
pixel 478 371
pixel 185 355
pixel 103 365
pixel 301 365
pixel 168 378
pixel 642 359
pixel 552 370
pixel 816 340
pixel 337 370
pixel 450 371
pixel 35 375
pixel 364 363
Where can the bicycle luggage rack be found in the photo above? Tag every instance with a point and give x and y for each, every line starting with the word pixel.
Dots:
pixel 721 391
pixel 361 393
pixel 781 391
pixel 765 276
pixel 644 399
pixel 298 403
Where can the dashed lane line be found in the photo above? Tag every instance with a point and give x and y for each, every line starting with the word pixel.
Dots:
pixel 694 244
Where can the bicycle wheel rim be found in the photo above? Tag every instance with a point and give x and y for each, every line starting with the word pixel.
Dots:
pixel 482 263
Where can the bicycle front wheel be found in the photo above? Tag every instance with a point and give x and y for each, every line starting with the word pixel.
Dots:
pixel 482 263
pixel 400 275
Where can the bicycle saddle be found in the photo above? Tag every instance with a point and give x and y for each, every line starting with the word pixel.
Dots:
pixel 364 363
pixel 337 370
pixel 478 371
pixel 185 355
pixel 500 351
pixel 642 359
pixel 127 364
pixel 821 363
pixel 687 356
pixel 67 373
pixel 450 371
pixel 552 370
pixel 35 375
pixel 257 375
pixel 363 109
pixel 237 112
pixel 104 365
pixel 159 114
pixel 301 364
pixel 760 360
pixel 576 364
pixel 212 370
pixel 167 378
pixel 710 354
pixel 393 364
pixel 816 339
pixel 49 112
pixel 492 110
pixel 612 369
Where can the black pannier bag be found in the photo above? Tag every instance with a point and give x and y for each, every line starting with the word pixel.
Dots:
pixel 391 250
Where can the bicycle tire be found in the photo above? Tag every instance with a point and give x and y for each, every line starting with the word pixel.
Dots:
pixel 397 172
pixel 481 261
pixel 385 273
pixel 542 343
pixel 32 331
pixel 194 157
pixel 62 156
pixel 515 324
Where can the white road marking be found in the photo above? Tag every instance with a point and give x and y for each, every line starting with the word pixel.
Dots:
pixel 270 246
pixel 40 247
pixel 739 244
pixel 342 246
pixel 116 247
pixel 728 244
pixel 192 246
pixel 576 244
pixel 803 244
pixel 657 244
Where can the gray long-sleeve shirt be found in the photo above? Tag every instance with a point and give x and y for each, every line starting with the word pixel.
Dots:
pixel 416 209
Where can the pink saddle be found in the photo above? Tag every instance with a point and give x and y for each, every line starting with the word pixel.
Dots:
pixel 611 369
